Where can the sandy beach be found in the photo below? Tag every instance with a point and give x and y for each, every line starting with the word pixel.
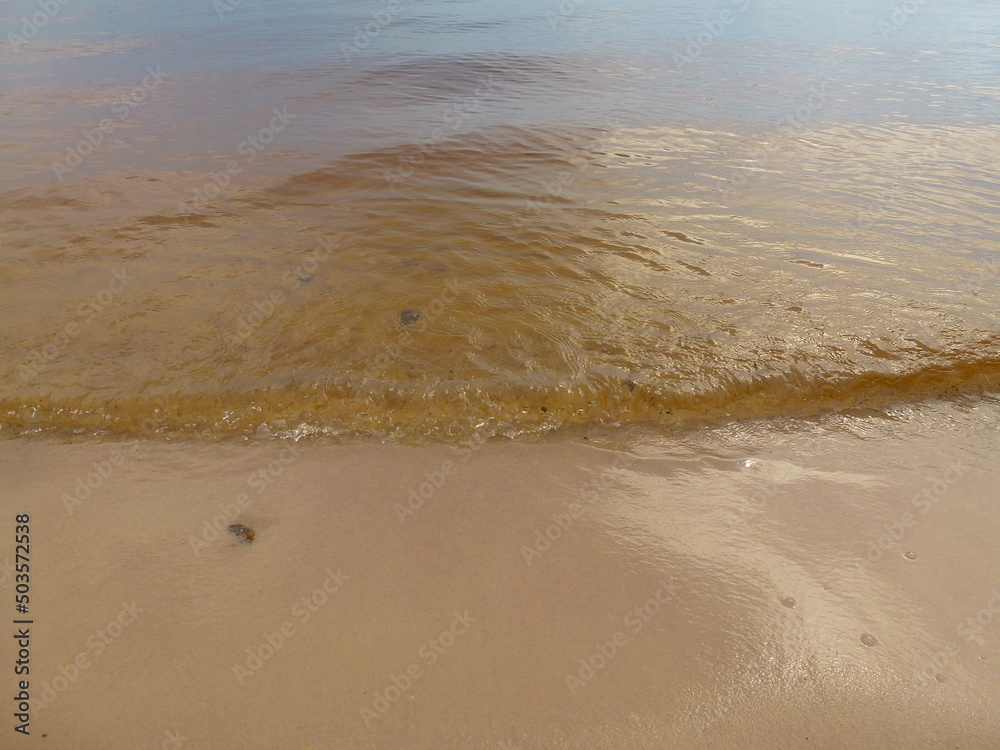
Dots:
pixel 388 375
pixel 814 585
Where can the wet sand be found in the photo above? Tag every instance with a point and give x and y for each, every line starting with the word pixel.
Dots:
pixel 704 591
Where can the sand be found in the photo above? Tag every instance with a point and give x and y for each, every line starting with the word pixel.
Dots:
pixel 725 588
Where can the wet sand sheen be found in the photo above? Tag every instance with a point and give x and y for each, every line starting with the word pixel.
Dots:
pixel 716 590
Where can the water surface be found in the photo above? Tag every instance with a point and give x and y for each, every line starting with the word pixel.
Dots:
pixel 429 219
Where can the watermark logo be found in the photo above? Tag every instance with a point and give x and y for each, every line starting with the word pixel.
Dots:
pixel 97 643
pixel 429 654
pixel 100 472
pixel 41 357
pixel 303 611
pixel 48 9
pixel 366 34
pixel 606 650
pixel 258 481
pixel 698 43
pixel 122 108
pixel 435 480
pixel 249 149
pixel 901 13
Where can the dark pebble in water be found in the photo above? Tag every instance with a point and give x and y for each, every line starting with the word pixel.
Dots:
pixel 910 555
pixel 788 602
pixel 409 317
pixel 869 640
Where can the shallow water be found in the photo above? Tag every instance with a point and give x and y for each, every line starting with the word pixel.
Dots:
pixel 425 220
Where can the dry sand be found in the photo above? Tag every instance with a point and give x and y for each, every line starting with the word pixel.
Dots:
pixel 705 591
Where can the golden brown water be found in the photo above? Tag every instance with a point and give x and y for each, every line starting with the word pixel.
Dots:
pixel 507 235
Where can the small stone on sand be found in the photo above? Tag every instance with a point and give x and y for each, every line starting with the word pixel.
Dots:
pixel 243 533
